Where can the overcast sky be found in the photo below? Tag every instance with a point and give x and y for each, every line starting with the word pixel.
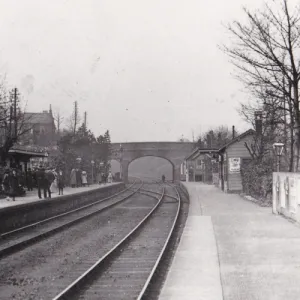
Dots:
pixel 147 70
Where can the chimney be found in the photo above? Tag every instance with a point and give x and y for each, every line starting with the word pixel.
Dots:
pixel 233 132
pixel 258 122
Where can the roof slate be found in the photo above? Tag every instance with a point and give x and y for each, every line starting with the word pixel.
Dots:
pixel 248 132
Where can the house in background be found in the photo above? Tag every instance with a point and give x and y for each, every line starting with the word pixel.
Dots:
pixel 199 165
pixel 41 129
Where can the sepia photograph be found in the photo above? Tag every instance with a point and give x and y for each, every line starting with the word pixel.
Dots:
pixel 149 150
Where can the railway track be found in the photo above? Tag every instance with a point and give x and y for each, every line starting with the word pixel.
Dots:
pixel 125 271
pixel 18 239
pixel 42 270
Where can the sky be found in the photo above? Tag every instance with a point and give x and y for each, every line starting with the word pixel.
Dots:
pixel 147 70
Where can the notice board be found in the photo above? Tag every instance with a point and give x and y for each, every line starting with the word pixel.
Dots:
pixel 234 164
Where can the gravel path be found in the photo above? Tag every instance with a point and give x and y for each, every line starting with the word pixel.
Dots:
pixel 42 270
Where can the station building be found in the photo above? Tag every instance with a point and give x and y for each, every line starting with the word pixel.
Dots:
pixel 221 167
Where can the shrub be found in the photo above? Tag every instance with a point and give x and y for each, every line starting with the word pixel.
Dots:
pixel 257 178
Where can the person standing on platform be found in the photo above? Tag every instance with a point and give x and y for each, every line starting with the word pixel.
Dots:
pixel 49 176
pixel 109 177
pixel 78 177
pixel 99 178
pixel 60 182
pixel 84 178
pixel 53 187
pixel 6 183
pixel 73 181
pixel 103 178
pixel 14 184
pixel 41 181
pixel 29 180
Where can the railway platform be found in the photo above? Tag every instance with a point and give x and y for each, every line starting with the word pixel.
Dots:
pixel 233 249
pixel 32 196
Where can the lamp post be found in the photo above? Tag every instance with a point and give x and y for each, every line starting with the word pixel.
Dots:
pixel 78 160
pixel 278 148
pixel 92 163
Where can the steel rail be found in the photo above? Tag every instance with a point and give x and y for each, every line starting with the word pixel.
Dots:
pixel 146 285
pixel 21 245
pixel 157 193
pixel 8 233
pixel 80 281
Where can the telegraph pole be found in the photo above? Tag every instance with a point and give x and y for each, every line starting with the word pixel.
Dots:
pixel 15 111
pixel 85 122
pixel 75 116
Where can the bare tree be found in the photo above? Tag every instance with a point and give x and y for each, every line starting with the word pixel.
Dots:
pixel 75 116
pixel 215 137
pixel 58 118
pixel 13 123
pixel 74 120
pixel 267 59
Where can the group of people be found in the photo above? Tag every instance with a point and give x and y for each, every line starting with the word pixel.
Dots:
pixel 11 184
pixel 14 181
pixel 103 178
pixel 78 178
pixel 46 180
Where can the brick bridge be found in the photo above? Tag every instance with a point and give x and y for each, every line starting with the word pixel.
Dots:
pixel 174 152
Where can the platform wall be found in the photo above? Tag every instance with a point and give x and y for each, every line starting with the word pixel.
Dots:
pixel 286 194
pixel 23 214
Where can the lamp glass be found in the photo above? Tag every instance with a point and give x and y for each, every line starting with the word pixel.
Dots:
pixel 278 147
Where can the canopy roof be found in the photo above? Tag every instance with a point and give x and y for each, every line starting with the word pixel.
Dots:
pixel 29 150
pixel 197 152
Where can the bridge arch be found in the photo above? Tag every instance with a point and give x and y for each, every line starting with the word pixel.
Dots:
pixel 169 162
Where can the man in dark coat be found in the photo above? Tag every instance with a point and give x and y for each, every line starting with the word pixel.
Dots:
pixel 49 178
pixel 14 184
pixel 78 178
pixel 29 180
pixel 6 183
pixel 60 182
pixel 41 181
